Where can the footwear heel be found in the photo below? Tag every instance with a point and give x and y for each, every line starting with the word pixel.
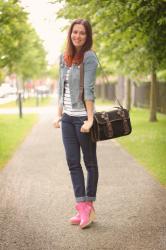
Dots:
pixel 92 215
pixel 91 219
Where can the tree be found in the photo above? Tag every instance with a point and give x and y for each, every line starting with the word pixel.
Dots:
pixel 21 50
pixel 132 35
pixel 12 21
pixel 53 71
pixel 32 63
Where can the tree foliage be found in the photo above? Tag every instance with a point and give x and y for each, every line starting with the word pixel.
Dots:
pixel 53 71
pixel 21 50
pixel 131 34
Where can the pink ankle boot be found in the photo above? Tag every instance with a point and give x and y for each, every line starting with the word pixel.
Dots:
pixel 90 203
pixel 75 220
pixel 86 213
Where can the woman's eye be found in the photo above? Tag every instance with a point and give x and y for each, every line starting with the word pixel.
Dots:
pixel 81 33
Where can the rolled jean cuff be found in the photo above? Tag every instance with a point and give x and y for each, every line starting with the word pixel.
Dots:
pixel 90 198
pixel 80 199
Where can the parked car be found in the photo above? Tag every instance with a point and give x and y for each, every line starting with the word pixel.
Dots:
pixel 43 89
pixel 6 89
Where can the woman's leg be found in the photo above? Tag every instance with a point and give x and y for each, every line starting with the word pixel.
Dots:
pixel 72 148
pixel 90 160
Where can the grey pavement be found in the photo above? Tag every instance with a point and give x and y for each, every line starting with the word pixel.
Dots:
pixel 36 199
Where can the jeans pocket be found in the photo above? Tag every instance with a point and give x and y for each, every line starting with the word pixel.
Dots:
pixel 63 116
pixel 83 118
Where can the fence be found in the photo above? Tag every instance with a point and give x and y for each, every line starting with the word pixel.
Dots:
pixel 140 94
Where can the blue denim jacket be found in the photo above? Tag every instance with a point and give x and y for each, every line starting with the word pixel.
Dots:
pixel 90 65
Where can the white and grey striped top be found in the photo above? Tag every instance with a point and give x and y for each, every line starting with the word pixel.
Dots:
pixel 67 105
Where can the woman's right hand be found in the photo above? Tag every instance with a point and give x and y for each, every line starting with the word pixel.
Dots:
pixel 56 122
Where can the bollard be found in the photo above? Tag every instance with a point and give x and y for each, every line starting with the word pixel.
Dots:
pixel 20 104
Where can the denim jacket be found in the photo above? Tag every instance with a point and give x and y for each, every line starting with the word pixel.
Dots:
pixel 90 65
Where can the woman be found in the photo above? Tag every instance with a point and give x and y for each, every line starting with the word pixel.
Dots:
pixel 77 117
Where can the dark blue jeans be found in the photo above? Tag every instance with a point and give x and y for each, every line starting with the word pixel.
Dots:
pixel 74 140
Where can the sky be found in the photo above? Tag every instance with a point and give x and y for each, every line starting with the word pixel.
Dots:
pixel 42 15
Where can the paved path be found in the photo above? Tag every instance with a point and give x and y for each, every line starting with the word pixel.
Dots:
pixel 36 199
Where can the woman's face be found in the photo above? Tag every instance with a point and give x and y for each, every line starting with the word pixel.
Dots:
pixel 78 36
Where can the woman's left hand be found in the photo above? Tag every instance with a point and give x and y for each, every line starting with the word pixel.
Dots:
pixel 85 128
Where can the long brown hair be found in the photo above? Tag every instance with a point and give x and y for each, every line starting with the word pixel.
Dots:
pixel 70 55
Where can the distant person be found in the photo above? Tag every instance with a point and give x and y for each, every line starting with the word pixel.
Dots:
pixel 77 117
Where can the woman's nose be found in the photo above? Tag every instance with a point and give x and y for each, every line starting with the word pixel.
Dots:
pixel 77 35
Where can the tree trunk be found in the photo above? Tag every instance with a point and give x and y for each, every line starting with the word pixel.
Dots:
pixel 103 92
pixel 153 97
pixel 127 94
pixel 134 96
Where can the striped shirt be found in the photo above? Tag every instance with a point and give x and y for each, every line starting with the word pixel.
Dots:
pixel 67 105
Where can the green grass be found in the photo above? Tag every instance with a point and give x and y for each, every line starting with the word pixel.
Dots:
pixel 147 142
pixel 13 130
pixel 99 101
pixel 30 102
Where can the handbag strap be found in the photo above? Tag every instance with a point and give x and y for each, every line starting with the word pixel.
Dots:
pixel 81 95
pixel 82 80
pixel 105 76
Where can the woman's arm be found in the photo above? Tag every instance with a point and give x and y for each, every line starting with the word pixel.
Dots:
pixel 90 110
pixel 58 116
pixel 59 108
pixel 90 66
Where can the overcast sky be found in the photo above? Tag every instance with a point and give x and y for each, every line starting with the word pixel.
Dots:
pixel 43 18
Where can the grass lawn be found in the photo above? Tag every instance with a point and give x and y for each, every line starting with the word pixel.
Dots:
pixel 30 102
pixel 13 130
pixel 99 101
pixel 147 142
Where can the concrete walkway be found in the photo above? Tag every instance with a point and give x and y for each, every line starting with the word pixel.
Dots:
pixel 36 199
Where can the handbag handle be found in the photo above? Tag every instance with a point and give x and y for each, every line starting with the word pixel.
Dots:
pixel 82 80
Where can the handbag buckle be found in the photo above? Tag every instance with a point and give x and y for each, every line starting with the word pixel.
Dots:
pixel 105 116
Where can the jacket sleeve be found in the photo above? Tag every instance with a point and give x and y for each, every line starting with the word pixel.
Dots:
pixel 90 67
pixel 59 78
